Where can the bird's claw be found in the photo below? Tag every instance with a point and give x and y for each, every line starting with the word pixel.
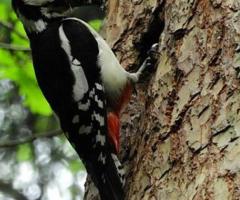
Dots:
pixel 152 55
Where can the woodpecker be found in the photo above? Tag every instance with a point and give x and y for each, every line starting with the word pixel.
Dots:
pixel 84 84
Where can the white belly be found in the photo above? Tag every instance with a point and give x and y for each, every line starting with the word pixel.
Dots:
pixel 114 76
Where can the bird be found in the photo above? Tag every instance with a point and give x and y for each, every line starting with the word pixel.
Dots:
pixel 84 84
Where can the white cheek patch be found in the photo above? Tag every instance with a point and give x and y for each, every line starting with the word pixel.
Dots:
pixel 37 2
pixel 40 25
pixel 80 86
pixel 33 26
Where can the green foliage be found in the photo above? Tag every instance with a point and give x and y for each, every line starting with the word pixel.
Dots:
pixel 6 2
pixel 4 9
pixel 23 75
pixel 24 152
pixel 75 166
pixel 17 65
pixel 96 24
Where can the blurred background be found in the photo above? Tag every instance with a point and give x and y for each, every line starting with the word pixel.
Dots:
pixel 36 160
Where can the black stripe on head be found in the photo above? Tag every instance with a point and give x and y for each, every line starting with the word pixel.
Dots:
pixel 37 14
pixel 28 11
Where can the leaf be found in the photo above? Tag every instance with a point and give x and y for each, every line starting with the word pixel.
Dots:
pixel 75 166
pixel 4 10
pixel 18 40
pixel 5 59
pixel 96 24
pixel 24 152
pixel 24 77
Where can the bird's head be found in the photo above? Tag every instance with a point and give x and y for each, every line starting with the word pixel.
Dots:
pixel 36 14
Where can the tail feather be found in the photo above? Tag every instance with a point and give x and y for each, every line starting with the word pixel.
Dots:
pixel 109 178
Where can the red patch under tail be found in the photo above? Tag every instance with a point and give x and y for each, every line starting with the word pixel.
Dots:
pixel 114 130
pixel 113 118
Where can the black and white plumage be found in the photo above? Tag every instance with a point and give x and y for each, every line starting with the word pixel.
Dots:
pixel 82 80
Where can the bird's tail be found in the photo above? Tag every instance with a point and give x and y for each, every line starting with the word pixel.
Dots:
pixel 109 179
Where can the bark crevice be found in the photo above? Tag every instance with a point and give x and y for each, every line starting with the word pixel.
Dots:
pixel 152 35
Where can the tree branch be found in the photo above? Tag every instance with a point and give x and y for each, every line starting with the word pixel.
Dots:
pixel 8 189
pixel 13 47
pixel 29 139
pixel 11 28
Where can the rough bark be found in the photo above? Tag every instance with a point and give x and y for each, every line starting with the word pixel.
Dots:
pixel 180 134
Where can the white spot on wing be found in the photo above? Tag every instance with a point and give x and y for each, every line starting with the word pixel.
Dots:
pixel 102 158
pixel 76 62
pixel 85 129
pixel 98 86
pixel 84 107
pixel 103 178
pixel 81 85
pixel 75 119
pixel 100 138
pixel 116 161
pixel 100 102
pixel 121 171
pixel 92 93
pixel 99 118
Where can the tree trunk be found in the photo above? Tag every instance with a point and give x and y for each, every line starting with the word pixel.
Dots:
pixel 181 133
